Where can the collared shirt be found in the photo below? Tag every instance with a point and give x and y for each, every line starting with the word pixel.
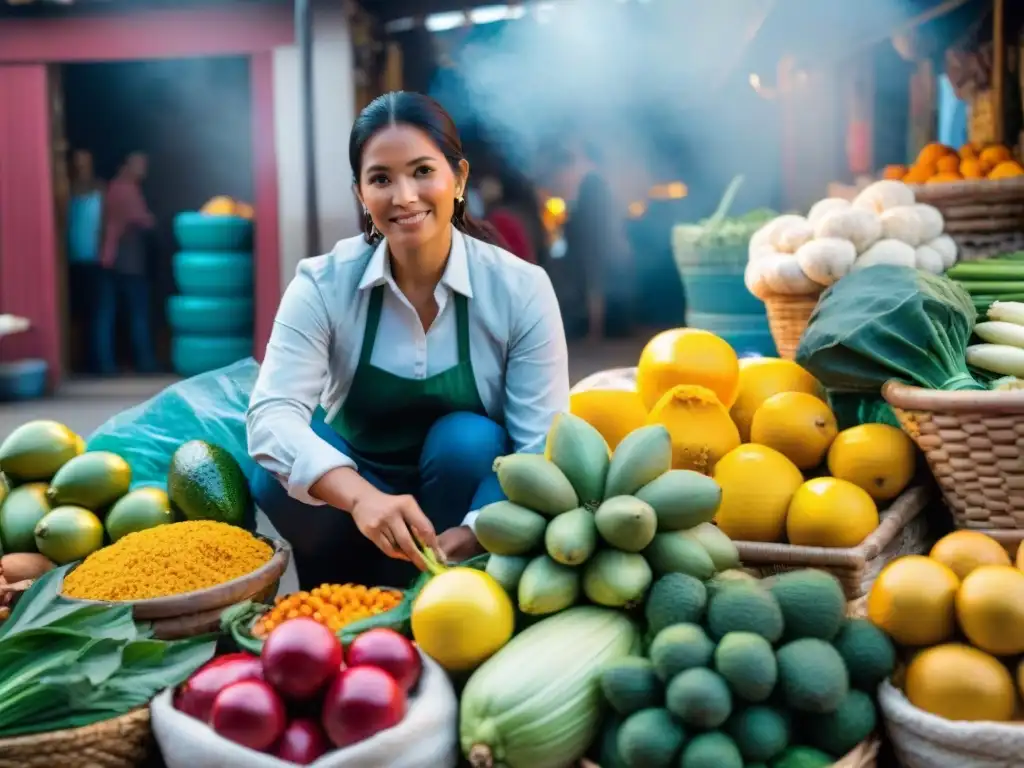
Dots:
pixel 517 347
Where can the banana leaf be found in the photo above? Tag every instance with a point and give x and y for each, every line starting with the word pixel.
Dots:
pixel 239 620
pixel 889 322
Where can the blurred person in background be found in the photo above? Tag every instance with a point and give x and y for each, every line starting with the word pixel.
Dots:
pixel 503 216
pixel 84 241
pixel 123 282
pixel 599 278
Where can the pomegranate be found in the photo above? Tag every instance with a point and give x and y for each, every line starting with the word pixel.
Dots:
pixel 249 713
pixel 300 658
pixel 302 742
pixel 361 702
pixel 390 651
pixel 196 695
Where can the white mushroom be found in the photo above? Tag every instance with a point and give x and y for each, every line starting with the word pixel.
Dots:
pixel 826 260
pixel 904 224
pixel 886 252
pixel 947 249
pixel 783 275
pixel 826 206
pixel 862 228
pixel 789 238
pixel 883 195
pixel 765 236
pixel 932 222
pixel 753 278
pixel 928 259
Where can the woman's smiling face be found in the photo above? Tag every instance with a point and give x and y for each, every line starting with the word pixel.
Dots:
pixel 408 186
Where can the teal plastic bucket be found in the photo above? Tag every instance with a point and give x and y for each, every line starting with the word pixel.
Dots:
pixel 196 231
pixel 210 315
pixel 747 334
pixel 209 273
pixel 719 290
pixel 192 355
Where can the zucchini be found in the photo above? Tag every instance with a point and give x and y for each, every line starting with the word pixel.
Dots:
pixel 537 702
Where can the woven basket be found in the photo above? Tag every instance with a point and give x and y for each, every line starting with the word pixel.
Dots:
pixel 903 531
pixel 787 319
pixel 983 217
pixel 198 612
pixel 923 740
pixel 973 442
pixel 123 742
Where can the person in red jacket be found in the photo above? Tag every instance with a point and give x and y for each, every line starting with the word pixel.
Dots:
pixel 506 220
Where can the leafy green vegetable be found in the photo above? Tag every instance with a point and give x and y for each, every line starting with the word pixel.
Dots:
pixel 66 664
pixel 888 322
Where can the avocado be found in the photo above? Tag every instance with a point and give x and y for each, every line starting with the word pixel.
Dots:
pixel 699 698
pixel 24 507
pixel 760 732
pixel 69 533
pixel 744 608
pixel 812 676
pixel 678 648
pixel 629 684
pixel 675 598
pixel 813 603
pixel 711 750
pixel 650 738
pixel 747 662
pixel 37 449
pixel 94 480
pixel 840 731
pixel 868 652
pixel 136 511
pixel 803 757
pixel 206 483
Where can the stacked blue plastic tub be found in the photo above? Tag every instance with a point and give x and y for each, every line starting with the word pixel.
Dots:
pixel 711 257
pixel 211 317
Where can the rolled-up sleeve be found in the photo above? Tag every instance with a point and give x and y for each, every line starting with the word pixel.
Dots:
pixel 288 389
pixel 537 373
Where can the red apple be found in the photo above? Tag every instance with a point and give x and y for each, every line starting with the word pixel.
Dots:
pixel 361 702
pixel 196 695
pixel 249 713
pixel 390 651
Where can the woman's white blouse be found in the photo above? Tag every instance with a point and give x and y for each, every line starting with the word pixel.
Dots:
pixel 517 347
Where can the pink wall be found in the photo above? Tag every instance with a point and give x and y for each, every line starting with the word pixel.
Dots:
pixel 28 252
pixel 28 263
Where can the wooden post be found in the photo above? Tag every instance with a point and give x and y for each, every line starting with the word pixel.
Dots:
pixel 999 68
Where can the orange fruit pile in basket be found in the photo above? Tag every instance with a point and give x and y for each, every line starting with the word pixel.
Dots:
pixel 959 615
pixel 938 164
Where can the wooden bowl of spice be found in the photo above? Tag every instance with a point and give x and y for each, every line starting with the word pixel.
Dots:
pixel 192 568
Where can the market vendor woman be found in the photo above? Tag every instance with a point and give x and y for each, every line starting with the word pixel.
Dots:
pixel 431 350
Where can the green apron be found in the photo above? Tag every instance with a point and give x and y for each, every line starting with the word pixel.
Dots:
pixel 385 418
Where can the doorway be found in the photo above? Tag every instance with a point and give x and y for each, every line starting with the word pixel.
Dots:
pixel 192 118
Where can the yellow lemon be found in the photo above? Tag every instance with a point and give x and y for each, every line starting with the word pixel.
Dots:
pixel 612 412
pixel 799 426
pixel 762 377
pixel 958 682
pixel 878 458
pixel 914 601
pixel 990 609
pixel 826 512
pixel 757 485
pixel 687 356
pixel 963 551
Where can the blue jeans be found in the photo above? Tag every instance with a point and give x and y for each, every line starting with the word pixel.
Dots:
pixel 111 290
pixel 455 476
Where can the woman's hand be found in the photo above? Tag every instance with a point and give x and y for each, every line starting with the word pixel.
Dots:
pixel 394 523
pixel 459 544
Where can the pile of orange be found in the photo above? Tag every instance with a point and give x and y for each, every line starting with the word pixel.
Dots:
pixel 959 612
pixel 938 164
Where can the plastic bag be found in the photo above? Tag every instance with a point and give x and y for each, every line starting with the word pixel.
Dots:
pixel 426 738
pixel 210 407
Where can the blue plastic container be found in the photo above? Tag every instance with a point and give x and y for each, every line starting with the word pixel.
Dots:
pixel 199 232
pixel 210 315
pixel 747 334
pixel 206 273
pixel 719 290
pixel 23 380
pixel 192 355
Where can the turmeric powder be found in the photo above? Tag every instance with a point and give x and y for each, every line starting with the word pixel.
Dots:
pixel 167 560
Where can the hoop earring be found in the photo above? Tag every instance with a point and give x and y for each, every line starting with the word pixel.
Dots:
pixel 459 213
